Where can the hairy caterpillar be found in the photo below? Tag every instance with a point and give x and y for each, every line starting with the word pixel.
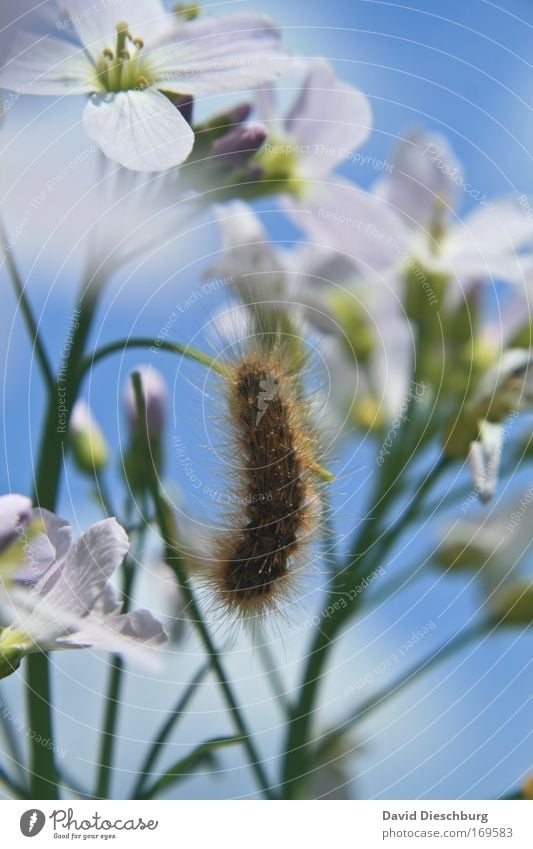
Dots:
pixel 277 501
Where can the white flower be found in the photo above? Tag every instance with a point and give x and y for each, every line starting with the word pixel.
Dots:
pixel 127 56
pixel 496 544
pixel 327 123
pixel 60 597
pixel 369 367
pixel 424 186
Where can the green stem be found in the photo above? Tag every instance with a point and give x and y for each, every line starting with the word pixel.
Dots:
pixel 166 730
pixel 103 495
pixel 44 777
pixel 147 342
pixel 112 703
pixel 27 313
pixel 297 750
pixel 42 771
pixel 65 392
pixel 449 648
pixel 11 786
pixel 108 738
pixel 276 682
pixel 12 740
pixel 175 560
pixel 386 539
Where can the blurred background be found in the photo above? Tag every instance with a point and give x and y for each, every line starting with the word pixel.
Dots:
pixel 464 730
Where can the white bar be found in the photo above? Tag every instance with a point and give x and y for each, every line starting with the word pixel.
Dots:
pixel 281 825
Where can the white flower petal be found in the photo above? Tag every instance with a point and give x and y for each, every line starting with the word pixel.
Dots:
pixel 50 627
pixel 95 23
pixel 421 177
pixel 131 635
pixel 329 118
pixel 512 375
pixel 90 563
pixel 484 459
pixel 51 546
pixel 219 54
pixel 486 241
pixel 141 130
pixel 343 217
pixel 48 65
pixel 247 258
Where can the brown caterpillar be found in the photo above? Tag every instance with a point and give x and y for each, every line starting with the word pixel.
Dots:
pixel 255 562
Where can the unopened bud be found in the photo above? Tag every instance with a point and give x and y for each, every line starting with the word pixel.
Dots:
pixel 155 401
pixel 513 605
pixel 187 11
pixel 240 144
pixel 138 463
pixel 89 448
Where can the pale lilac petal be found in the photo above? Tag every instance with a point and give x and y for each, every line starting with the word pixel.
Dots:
pixel 95 22
pixel 48 65
pixel 490 237
pixel 141 626
pixel 49 547
pixel 132 635
pixel 341 216
pixel 267 104
pixel 141 130
pixel 90 563
pixel 391 365
pixel 48 627
pixel 218 54
pixel 424 175
pixel 329 119
pixel 247 259
pixel 15 513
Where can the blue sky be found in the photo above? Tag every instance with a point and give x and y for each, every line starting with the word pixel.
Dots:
pixel 467 74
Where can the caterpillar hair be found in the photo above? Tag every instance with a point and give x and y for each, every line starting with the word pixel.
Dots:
pixel 277 488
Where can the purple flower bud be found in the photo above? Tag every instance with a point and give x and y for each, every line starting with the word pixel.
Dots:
pixel 155 400
pixel 239 113
pixel 240 144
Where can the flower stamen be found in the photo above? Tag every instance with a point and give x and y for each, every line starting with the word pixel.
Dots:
pixel 119 69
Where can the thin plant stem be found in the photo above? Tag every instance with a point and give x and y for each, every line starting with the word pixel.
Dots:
pixel 108 739
pixel 112 701
pixel 43 772
pixel 166 730
pixel 276 683
pixel 12 740
pixel 11 786
pixel 147 342
pixel 27 313
pixel 297 752
pixel 174 559
pixel 449 648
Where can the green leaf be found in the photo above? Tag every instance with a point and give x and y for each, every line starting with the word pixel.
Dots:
pixel 203 755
